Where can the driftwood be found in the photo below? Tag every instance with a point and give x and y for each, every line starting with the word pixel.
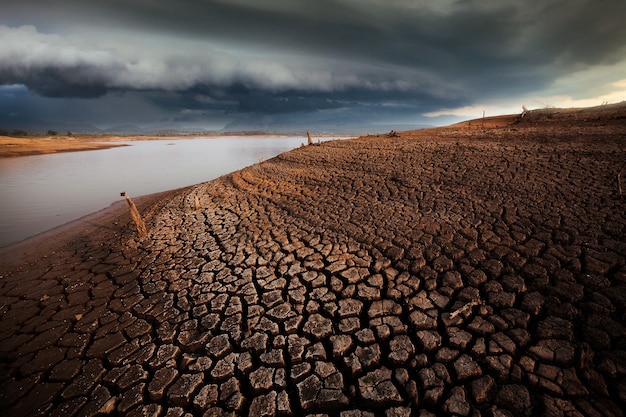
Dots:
pixel 524 112
pixel 310 140
pixel 465 309
pixel 134 213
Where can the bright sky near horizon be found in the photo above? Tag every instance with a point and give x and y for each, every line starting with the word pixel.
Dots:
pixel 211 64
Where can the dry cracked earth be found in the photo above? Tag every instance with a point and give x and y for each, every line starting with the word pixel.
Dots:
pixel 449 272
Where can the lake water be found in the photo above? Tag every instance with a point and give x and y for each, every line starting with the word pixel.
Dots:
pixel 40 192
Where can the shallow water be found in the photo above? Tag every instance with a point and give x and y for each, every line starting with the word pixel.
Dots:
pixel 44 191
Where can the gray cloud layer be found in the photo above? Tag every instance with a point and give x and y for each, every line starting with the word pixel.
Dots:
pixel 288 55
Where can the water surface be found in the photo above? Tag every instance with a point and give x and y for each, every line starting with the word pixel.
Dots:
pixel 40 192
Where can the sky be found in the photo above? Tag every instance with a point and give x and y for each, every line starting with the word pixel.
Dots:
pixel 300 64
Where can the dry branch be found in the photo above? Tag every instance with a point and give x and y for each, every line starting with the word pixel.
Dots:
pixel 465 309
pixel 134 213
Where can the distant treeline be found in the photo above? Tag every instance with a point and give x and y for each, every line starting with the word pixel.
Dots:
pixel 14 132
pixel 17 133
pixel 164 133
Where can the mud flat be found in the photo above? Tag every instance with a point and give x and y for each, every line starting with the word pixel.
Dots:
pixel 12 147
pixel 471 270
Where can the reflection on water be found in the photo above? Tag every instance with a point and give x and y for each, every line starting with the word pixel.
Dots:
pixel 43 191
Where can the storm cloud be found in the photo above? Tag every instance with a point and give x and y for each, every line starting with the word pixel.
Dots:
pixel 284 56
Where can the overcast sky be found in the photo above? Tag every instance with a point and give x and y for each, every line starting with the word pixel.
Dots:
pixel 213 63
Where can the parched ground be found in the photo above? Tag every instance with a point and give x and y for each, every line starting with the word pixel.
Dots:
pixel 458 271
pixel 13 147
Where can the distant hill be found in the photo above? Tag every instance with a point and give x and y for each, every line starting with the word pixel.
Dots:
pixel 122 129
pixel 318 122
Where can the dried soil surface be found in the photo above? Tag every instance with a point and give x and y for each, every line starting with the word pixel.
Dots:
pixel 11 147
pixel 466 270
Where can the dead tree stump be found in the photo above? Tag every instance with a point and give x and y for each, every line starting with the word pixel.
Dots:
pixel 134 213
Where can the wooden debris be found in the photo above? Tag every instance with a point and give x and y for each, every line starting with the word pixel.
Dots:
pixel 134 213
pixel 466 309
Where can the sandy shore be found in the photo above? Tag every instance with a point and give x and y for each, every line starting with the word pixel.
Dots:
pixel 471 270
pixel 24 146
pixel 12 147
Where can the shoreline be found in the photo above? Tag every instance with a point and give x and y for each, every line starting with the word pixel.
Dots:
pixel 451 271
pixel 12 147
pixel 115 217
pixel 19 234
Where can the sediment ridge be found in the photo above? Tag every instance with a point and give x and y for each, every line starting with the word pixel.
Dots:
pixel 477 269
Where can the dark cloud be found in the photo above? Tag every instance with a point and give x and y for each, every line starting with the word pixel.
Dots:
pixel 58 82
pixel 281 56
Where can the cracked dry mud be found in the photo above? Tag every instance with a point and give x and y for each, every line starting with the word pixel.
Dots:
pixel 447 272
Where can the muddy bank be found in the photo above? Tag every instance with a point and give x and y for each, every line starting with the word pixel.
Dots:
pixel 13 147
pixel 443 272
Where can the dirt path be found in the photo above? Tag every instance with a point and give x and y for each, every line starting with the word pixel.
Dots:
pixel 448 272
